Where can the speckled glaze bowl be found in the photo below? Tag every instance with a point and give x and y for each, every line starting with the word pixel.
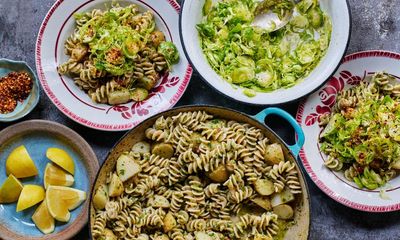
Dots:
pixel 25 107
pixel 37 136
pixel 298 231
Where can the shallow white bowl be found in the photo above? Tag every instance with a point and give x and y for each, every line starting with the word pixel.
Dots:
pixel 338 10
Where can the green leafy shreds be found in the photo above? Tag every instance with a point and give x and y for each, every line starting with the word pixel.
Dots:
pixel 113 41
pixel 369 138
pixel 280 59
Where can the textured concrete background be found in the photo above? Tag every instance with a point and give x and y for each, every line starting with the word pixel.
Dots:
pixel 376 25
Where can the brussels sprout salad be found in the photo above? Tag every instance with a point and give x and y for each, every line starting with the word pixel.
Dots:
pixel 259 60
pixel 362 135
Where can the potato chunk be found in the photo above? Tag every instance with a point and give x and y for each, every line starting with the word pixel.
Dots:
pixel 284 211
pixel 263 202
pixel 219 175
pixel 281 198
pixel 164 150
pixel 109 235
pixel 100 198
pixel 115 188
pixel 202 236
pixel 169 222
pixel 274 154
pixel 127 167
pixel 141 147
pixel 264 187
pixel 158 202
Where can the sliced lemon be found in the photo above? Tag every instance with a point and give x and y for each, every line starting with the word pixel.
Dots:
pixel 42 219
pixel 30 195
pixel 10 190
pixel 20 164
pixel 54 175
pixel 61 158
pixel 61 199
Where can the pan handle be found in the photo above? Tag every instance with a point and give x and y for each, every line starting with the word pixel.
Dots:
pixel 285 115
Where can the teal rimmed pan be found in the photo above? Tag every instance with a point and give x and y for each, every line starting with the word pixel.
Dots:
pixel 299 231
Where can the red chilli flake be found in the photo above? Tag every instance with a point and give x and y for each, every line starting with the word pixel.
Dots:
pixel 16 86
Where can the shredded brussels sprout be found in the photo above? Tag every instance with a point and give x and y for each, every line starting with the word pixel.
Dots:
pixel 256 59
pixel 362 137
pixel 114 43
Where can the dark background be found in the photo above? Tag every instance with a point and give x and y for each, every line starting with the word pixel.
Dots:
pixel 375 26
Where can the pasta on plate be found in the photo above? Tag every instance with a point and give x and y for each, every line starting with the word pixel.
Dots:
pixel 198 177
pixel 117 55
pixel 361 136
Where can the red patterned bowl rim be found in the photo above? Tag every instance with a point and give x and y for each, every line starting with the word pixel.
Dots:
pixel 306 164
pixel 79 119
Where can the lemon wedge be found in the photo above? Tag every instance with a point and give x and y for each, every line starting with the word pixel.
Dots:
pixel 30 195
pixel 61 158
pixel 20 164
pixel 61 199
pixel 42 219
pixel 54 175
pixel 10 190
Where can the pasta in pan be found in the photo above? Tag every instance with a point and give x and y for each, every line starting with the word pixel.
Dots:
pixel 117 55
pixel 195 177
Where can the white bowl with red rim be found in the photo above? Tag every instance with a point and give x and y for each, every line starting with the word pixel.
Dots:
pixel 354 69
pixel 59 24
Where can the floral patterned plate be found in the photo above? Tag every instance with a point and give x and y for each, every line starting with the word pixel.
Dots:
pixel 354 69
pixel 74 103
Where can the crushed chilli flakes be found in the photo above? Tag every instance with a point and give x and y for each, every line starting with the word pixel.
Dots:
pixel 14 87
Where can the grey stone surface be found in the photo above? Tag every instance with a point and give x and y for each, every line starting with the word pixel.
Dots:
pixel 376 25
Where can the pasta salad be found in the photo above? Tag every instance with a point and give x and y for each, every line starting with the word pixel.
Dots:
pixel 362 135
pixel 117 55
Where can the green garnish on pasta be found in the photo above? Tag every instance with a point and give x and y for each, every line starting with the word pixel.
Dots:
pixel 256 59
pixel 117 55
pixel 362 135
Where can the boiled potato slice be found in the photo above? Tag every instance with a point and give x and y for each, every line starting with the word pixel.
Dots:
pixel 263 202
pixel 274 154
pixel 158 202
pixel 202 236
pixel 284 211
pixel 100 198
pixel 109 235
pixel 281 198
pixel 169 222
pixel 119 97
pixel 162 237
pixel 141 147
pixel 115 188
pixel 219 175
pixel 264 187
pixel 164 150
pixel 127 167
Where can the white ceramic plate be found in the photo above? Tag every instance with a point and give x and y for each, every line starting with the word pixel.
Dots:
pixel 339 12
pixel 354 69
pixel 69 99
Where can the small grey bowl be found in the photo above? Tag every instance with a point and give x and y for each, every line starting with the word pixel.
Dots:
pixel 25 107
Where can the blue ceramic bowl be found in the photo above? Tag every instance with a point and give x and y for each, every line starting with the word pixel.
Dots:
pixel 26 106
pixel 37 136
